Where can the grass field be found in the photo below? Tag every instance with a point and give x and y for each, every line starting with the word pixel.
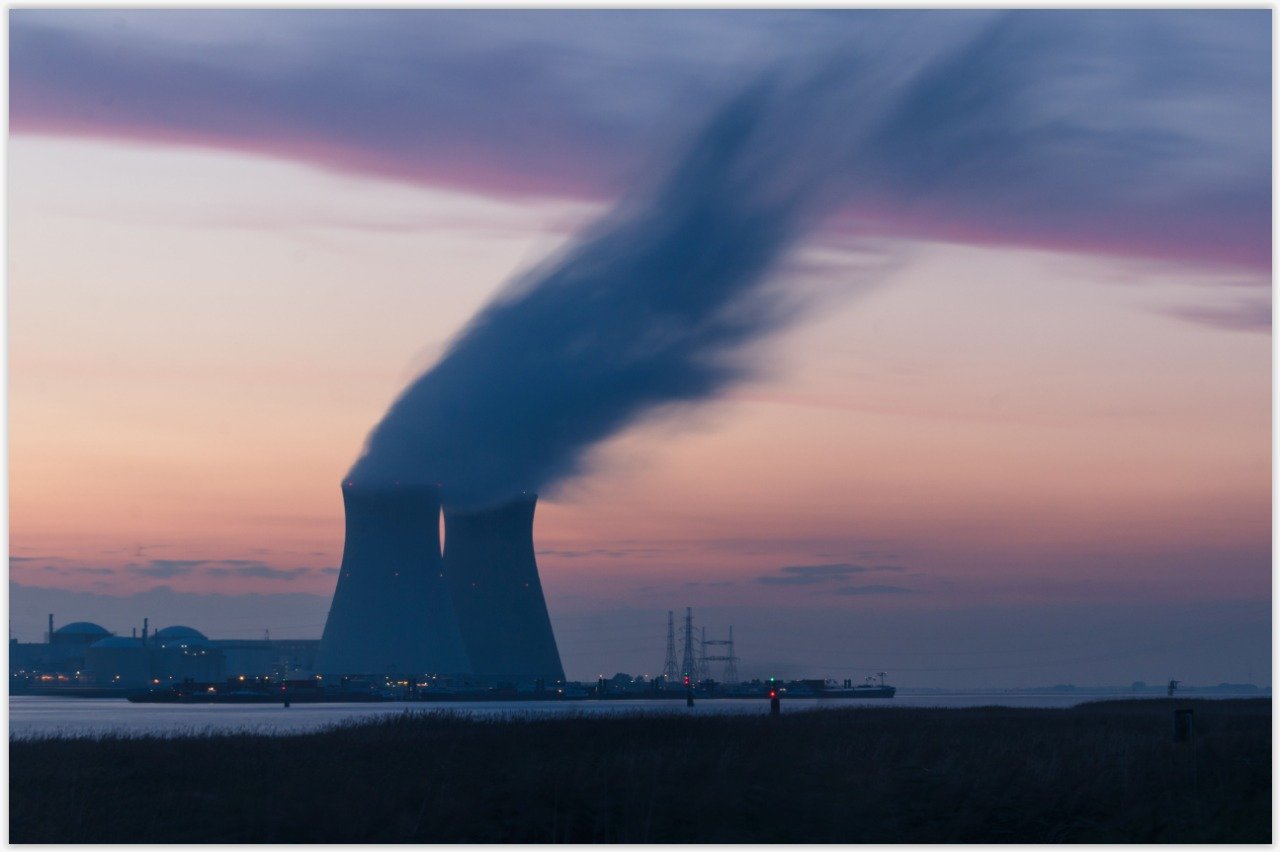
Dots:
pixel 1104 772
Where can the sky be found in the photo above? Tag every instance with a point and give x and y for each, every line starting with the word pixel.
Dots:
pixel 1014 430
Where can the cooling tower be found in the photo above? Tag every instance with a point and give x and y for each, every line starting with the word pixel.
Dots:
pixel 493 579
pixel 391 612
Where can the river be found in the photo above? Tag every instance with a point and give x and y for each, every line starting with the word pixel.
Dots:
pixel 40 716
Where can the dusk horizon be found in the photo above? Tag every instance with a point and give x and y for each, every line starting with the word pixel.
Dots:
pixel 937 343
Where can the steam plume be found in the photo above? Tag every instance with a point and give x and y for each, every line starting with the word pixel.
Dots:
pixel 647 309
pixel 656 302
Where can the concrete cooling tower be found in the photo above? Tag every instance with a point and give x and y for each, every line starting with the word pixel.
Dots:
pixel 391 612
pixel 493 579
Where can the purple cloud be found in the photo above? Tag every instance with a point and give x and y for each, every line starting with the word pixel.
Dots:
pixel 1242 315
pixel 1137 133
pixel 255 570
pixel 167 568
pixel 873 589
pixel 808 575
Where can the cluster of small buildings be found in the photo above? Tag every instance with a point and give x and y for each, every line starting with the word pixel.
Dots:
pixel 83 654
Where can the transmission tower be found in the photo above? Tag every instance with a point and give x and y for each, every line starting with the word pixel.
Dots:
pixel 730 659
pixel 689 663
pixel 669 670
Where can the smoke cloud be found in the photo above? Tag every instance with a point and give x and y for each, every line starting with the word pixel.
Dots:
pixel 653 306
pixel 644 311
pixel 657 303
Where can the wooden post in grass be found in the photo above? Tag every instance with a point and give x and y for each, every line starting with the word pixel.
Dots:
pixel 1182 725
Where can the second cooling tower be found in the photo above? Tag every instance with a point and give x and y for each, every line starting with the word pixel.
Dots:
pixel 493 579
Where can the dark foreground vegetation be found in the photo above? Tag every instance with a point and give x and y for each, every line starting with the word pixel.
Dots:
pixel 1105 772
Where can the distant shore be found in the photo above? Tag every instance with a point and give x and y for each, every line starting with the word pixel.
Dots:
pixel 1102 772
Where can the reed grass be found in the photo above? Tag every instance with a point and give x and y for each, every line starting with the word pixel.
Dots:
pixel 1105 773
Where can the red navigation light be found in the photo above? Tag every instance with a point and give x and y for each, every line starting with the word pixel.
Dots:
pixel 686 680
pixel 773 693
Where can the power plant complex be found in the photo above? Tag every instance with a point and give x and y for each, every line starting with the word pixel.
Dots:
pixel 405 606
pixel 470 613
pixel 83 658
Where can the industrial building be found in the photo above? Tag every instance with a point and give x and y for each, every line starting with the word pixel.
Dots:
pixel 85 654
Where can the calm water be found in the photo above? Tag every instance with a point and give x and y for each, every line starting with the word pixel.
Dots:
pixel 38 716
